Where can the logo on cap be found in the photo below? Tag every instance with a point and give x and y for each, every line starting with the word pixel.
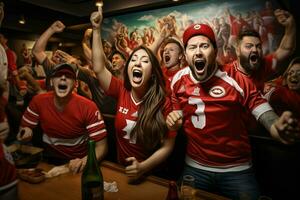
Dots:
pixel 197 26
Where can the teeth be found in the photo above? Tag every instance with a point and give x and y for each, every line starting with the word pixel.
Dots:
pixel 137 73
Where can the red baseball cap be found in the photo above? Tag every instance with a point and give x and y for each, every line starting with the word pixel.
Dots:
pixel 67 69
pixel 199 29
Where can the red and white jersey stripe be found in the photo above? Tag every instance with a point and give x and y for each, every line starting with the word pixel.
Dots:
pixel 217 137
pixel 66 131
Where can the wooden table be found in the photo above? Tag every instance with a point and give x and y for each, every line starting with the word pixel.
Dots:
pixel 67 187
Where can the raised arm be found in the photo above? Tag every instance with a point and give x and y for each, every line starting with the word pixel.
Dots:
pixel 40 45
pixel 164 33
pixel 288 42
pixel 98 57
pixel 86 45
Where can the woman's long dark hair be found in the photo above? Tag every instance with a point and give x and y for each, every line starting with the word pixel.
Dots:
pixel 150 129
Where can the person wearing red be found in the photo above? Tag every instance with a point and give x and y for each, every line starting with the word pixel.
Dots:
pixel 172 55
pixel 286 94
pixel 68 120
pixel 143 139
pixel 250 55
pixel 210 100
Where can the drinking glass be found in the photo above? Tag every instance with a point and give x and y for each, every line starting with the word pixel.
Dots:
pixel 187 187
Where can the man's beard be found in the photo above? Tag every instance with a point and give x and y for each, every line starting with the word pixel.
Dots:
pixel 247 66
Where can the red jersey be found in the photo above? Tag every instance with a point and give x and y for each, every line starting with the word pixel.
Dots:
pixel 168 75
pixel 125 120
pixel 282 98
pixel 8 174
pixel 67 131
pixel 217 137
pixel 237 25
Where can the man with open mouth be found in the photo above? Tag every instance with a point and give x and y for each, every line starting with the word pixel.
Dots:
pixel 250 54
pixel 67 119
pixel 210 99
pixel 172 54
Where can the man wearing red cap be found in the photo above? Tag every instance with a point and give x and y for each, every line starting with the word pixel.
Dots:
pixel 210 100
pixel 68 121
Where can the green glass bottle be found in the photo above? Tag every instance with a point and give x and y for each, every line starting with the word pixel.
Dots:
pixel 91 178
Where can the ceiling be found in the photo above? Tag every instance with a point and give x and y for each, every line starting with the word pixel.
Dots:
pixel 40 14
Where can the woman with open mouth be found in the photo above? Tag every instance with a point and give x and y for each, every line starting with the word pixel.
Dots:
pixel 143 139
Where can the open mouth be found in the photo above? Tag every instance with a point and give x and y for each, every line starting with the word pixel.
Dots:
pixel 254 58
pixel 62 87
pixel 293 81
pixel 200 64
pixel 167 58
pixel 137 76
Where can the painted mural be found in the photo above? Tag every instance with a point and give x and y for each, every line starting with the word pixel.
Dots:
pixel 227 18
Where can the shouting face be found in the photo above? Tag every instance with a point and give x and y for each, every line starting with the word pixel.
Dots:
pixel 250 54
pixel 63 84
pixel 293 77
pixel 172 56
pixel 139 69
pixel 200 55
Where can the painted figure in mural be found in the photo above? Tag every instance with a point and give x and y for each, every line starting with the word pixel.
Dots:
pixel 170 22
pixel 210 98
pixel 269 21
pixel 143 139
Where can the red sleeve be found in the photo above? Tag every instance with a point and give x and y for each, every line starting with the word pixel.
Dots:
pixel 167 109
pixel 31 115
pixel 284 99
pixel 12 66
pixel 95 123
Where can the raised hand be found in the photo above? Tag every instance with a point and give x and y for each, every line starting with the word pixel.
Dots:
pixel 96 19
pixel 284 17
pixel 57 26
pixel 88 34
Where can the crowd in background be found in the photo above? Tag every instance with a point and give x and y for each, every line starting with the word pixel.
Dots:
pixel 207 84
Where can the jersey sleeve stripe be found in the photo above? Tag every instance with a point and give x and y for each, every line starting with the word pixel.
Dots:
pixel 178 76
pixel 95 124
pixel 230 81
pixel 97 133
pixel 28 121
pixel 65 142
pixel 262 108
pixel 31 112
